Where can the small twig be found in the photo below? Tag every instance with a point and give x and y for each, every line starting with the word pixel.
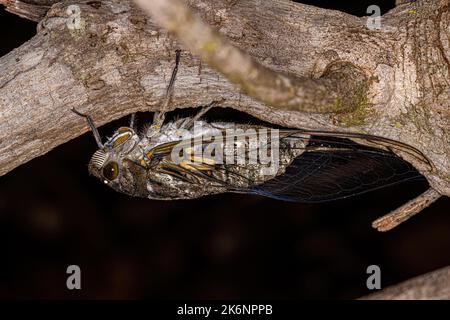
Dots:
pixel 406 211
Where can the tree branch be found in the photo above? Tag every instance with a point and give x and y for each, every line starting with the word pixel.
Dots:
pixel 430 286
pixel 33 10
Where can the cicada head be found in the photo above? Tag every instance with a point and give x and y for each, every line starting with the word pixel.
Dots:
pixel 116 163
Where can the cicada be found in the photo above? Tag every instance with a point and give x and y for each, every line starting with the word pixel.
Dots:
pixel 189 158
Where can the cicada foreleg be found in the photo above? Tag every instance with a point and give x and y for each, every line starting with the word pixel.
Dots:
pixel 159 116
pixel 92 126
pixel 132 121
pixel 189 124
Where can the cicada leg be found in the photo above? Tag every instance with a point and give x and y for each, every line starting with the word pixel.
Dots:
pixel 159 116
pixel 189 124
pixel 132 121
pixel 92 126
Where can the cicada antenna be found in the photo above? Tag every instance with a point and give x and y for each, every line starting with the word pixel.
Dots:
pixel 158 119
pixel 91 125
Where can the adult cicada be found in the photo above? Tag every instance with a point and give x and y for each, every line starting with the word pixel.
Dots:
pixel 188 158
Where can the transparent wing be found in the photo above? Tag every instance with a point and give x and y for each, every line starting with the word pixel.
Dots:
pixel 333 169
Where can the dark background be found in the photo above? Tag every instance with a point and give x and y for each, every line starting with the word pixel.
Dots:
pixel 53 214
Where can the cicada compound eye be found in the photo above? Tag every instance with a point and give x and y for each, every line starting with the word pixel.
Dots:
pixel 111 170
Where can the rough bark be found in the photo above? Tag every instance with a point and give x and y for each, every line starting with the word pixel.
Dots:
pixel 29 9
pixel 431 286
